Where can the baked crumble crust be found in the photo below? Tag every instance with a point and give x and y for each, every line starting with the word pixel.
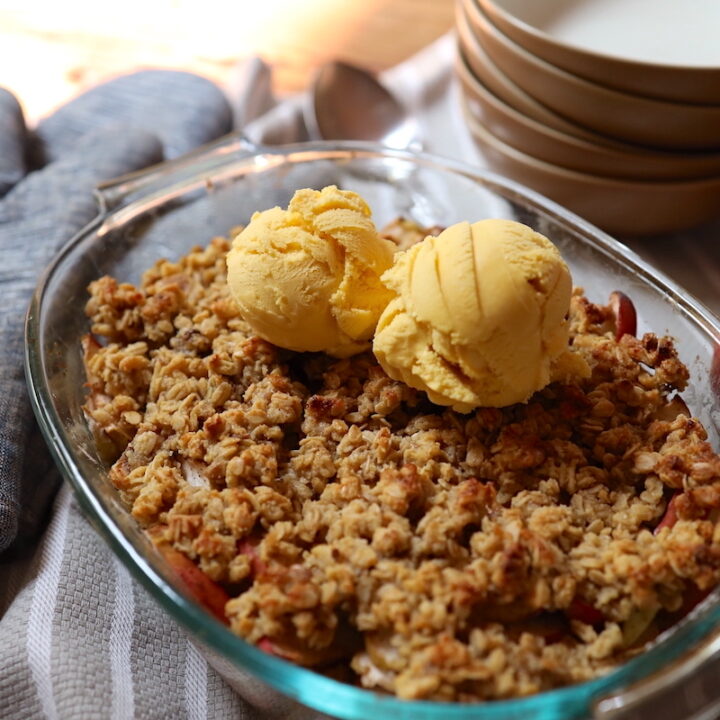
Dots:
pixel 353 526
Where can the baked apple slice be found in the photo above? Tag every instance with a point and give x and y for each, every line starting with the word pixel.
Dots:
pixel 623 309
pixel 206 592
pixel 290 647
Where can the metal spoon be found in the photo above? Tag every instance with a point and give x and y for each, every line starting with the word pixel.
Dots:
pixel 349 103
pixel 345 102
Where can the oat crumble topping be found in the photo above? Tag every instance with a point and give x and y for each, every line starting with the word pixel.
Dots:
pixel 342 521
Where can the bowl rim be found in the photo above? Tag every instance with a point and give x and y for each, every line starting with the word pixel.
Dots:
pixel 548 120
pixel 498 9
pixel 685 185
pixel 676 125
pixel 521 100
pixel 632 157
pixel 303 685
pixel 629 208
pixel 511 46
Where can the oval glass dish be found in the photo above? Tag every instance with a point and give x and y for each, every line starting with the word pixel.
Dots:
pixel 167 210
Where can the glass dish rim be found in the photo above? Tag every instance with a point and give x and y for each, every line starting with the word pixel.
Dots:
pixel 299 683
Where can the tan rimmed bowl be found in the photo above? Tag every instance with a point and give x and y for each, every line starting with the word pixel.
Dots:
pixel 621 207
pixel 574 151
pixel 631 118
pixel 490 75
pixel 566 33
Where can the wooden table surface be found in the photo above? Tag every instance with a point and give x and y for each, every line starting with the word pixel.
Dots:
pixel 50 51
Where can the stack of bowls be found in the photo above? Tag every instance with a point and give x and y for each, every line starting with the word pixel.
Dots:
pixel 570 97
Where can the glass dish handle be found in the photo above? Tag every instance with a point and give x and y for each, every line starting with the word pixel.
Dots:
pixel 687 689
pixel 117 192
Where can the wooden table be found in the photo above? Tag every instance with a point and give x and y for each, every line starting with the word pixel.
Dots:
pixel 50 52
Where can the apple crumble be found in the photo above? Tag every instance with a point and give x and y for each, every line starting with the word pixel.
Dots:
pixel 337 518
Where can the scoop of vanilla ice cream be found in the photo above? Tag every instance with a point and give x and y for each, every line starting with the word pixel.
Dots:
pixel 308 278
pixel 478 315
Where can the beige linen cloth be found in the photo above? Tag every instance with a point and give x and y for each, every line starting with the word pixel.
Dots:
pixel 79 638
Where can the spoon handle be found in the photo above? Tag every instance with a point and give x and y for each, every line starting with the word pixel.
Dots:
pixel 284 124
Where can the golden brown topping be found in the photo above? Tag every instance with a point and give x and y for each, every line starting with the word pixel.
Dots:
pixel 438 555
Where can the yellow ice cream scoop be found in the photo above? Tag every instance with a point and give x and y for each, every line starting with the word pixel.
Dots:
pixel 478 315
pixel 308 278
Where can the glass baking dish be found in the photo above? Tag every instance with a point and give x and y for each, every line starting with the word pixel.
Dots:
pixel 164 211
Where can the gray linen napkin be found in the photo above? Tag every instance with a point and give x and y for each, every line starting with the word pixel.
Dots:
pixel 12 141
pixel 94 137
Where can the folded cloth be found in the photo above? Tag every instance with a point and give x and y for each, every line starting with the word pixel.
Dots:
pixel 47 207
pixel 182 109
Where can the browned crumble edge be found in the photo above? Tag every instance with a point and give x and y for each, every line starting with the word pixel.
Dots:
pixel 340 520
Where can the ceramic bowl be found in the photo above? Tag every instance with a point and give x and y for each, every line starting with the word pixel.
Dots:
pixel 495 80
pixel 670 53
pixel 620 206
pixel 620 115
pixel 555 140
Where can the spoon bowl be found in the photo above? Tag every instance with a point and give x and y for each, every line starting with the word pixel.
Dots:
pixel 348 103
